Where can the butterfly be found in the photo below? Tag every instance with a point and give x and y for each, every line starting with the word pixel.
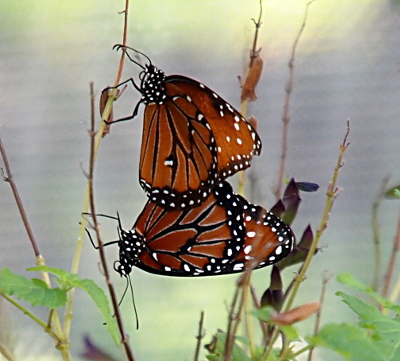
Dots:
pixel 221 236
pixel 192 138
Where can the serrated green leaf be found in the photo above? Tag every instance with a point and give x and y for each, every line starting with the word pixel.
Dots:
pixel 386 331
pixel 69 280
pixel 348 280
pixel 33 291
pixel 350 341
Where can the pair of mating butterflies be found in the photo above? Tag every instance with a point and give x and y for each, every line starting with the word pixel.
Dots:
pixel 193 223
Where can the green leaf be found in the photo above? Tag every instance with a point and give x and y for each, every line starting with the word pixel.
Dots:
pixel 68 280
pixel 350 341
pixel 393 193
pixel 264 313
pixel 290 332
pixel 385 331
pixel 348 280
pixel 218 346
pixel 33 291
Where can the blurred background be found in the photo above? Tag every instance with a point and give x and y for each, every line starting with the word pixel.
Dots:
pixel 347 66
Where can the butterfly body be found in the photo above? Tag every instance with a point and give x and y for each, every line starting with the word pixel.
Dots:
pixel 192 139
pixel 221 236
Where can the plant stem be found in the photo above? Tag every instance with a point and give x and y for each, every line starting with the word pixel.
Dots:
pixel 33 317
pixel 377 235
pixel 330 197
pixel 330 194
pixel 40 261
pixel 199 337
pixel 5 353
pixel 392 261
pixel 286 106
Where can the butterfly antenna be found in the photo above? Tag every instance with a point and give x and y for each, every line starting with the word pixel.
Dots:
pixel 119 46
pixel 129 284
pixel 119 221
pixel 133 301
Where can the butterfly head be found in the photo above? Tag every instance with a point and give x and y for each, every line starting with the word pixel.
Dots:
pixel 152 85
pixel 131 245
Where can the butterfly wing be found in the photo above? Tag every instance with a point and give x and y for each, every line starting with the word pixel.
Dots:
pixel 268 239
pixel 236 140
pixel 192 139
pixel 177 162
pixel 219 237
pixel 198 241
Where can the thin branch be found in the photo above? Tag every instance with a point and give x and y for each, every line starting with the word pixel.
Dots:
pixel 234 315
pixel 257 24
pixel 97 230
pixel 392 262
pixel 8 177
pixel 325 281
pixel 33 317
pixel 285 115
pixel 330 197
pixel 82 230
pixel 4 352
pixel 243 106
pixel 377 234
pixel 199 337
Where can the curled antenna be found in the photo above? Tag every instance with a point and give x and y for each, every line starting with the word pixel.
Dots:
pixel 124 47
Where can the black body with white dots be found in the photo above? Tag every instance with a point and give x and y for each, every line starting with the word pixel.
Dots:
pixel 224 235
pixel 192 140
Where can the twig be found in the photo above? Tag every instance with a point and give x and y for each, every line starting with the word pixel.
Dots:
pixel 258 26
pixel 97 230
pixel 325 281
pixel 257 305
pixel 199 337
pixel 85 207
pixel 4 352
pixel 40 261
pixel 377 234
pixel 243 105
pixel 33 317
pixel 330 195
pixel 234 315
pixel 285 114
pixel 8 177
pixel 392 262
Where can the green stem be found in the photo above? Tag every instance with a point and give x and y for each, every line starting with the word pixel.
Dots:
pixel 5 353
pixel 330 194
pixel 33 317
pixel 302 350
pixel 85 208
